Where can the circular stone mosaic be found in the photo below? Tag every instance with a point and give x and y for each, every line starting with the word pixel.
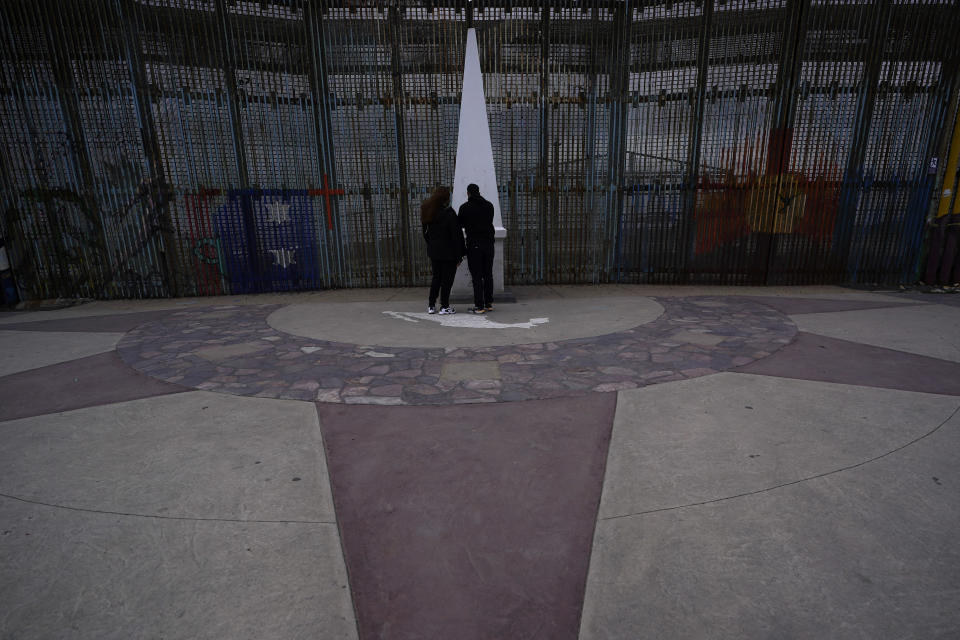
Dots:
pixel 232 349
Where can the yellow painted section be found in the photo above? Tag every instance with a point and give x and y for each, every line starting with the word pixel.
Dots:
pixel 949 177
pixel 773 210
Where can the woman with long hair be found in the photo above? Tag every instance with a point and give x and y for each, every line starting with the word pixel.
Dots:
pixel 445 246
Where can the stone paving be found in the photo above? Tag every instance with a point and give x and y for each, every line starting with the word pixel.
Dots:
pixel 782 497
pixel 232 349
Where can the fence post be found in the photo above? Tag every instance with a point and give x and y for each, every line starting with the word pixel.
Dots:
pixel 397 74
pixel 543 146
pixel 616 148
pixel 852 176
pixel 229 66
pixel 322 117
pixel 780 141
pixel 590 203
pixel 62 66
pixel 688 226
pixel 127 10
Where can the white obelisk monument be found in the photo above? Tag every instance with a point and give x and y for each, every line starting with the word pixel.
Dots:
pixel 475 164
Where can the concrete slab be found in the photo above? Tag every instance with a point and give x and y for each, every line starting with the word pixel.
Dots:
pixel 950 299
pixel 468 522
pixel 729 434
pixel 812 291
pixel 866 554
pixel 93 576
pixel 793 306
pixel 24 350
pixel 118 323
pixel 928 330
pixel 194 455
pixel 86 382
pixel 362 322
pixel 362 295
pixel 813 357
pixel 100 308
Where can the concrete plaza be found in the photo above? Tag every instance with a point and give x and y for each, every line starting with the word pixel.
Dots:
pixel 599 462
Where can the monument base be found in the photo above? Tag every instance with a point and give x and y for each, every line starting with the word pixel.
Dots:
pixel 503 297
pixel 462 290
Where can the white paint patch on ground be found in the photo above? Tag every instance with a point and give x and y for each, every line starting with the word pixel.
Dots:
pixel 362 322
pixel 465 321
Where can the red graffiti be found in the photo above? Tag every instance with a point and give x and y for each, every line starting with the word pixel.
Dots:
pixel 327 192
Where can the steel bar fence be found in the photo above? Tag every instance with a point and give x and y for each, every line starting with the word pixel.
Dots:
pixel 204 147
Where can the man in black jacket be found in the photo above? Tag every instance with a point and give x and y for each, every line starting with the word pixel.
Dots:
pixel 476 219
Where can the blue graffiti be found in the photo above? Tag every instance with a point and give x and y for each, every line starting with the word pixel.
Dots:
pixel 270 240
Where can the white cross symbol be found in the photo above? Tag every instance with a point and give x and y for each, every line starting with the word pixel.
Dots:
pixel 278 212
pixel 283 257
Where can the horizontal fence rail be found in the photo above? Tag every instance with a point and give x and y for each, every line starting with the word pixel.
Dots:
pixel 206 147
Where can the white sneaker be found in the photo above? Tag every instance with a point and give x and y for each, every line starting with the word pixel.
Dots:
pixel 447 311
pixel 431 310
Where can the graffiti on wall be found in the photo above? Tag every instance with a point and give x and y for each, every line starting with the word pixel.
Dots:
pixel 64 246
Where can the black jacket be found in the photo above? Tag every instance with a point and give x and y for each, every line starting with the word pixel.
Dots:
pixel 476 218
pixel 443 236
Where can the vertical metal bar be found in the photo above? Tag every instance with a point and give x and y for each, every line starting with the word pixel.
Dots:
pixel 101 122
pixel 852 176
pixel 589 204
pixel 19 238
pixel 688 224
pixel 228 47
pixel 543 149
pixel 393 29
pixel 788 75
pixel 62 66
pixel 126 11
pixel 323 120
pixel 784 110
pixel 44 94
pixel 616 148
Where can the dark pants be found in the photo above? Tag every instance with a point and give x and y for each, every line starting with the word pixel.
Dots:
pixel 942 258
pixel 444 272
pixel 480 261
